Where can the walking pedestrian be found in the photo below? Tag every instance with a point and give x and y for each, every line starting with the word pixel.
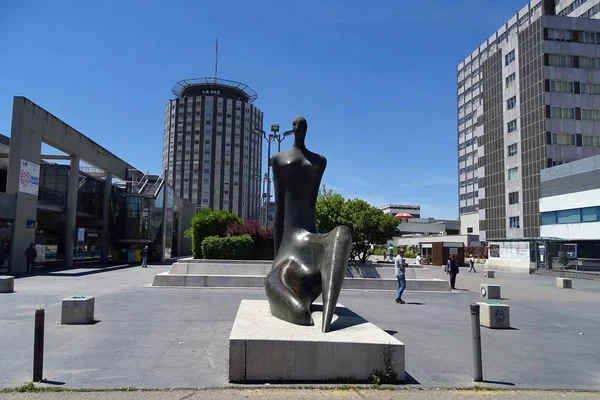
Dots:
pixel 419 259
pixel 399 268
pixel 452 270
pixel 145 257
pixel 30 256
pixel 472 263
pixel 384 255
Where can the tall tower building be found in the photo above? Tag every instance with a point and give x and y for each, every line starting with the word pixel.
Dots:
pixel 528 99
pixel 210 147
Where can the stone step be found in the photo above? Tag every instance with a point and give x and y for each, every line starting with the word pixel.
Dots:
pixel 251 281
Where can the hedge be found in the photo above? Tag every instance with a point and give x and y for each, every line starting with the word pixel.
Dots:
pixel 208 223
pixel 228 248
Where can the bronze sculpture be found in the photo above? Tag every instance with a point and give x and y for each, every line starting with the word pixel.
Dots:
pixel 307 264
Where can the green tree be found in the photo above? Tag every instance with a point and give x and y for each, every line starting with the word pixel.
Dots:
pixel 368 224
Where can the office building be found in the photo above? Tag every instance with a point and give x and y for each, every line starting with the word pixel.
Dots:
pixel 393 209
pixel 528 99
pixel 107 210
pixel 211 147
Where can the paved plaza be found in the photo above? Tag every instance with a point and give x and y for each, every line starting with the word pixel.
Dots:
pixel 148 337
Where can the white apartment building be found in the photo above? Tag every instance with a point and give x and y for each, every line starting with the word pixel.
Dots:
pixel 528 99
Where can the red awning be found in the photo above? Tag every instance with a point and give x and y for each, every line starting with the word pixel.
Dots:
pixel 403 215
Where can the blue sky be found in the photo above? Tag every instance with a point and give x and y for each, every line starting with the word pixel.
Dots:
pixel 375 80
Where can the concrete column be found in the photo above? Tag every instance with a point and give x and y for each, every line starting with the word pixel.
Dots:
pixel 105 239
pixel 25 144
pixel 163 244
pixel 70 229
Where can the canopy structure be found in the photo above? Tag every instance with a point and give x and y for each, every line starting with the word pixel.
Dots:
pixel 403 215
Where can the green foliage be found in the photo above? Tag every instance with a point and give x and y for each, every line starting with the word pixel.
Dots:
pixel 206 223
pixel 410 253
pixel 367 224
pixel 228 248
pixel 389 375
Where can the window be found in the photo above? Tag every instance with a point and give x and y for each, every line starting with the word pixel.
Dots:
pixel 560 35
pixel 509 57
pixel 512 150
pixel 590 141
pixel 548 218
pixel 561 86
pixel 470 229
pixel 512 126
pixel 568 216
pixel 590 88
pixel 562 112
pixel 588 37
pixel 513 198
pixel 588 114
pixel 589 62
pixel 510 80
pixel 514 222
pixel 511 103
pixel 589 214
pixel 559 60
pixel 513 173
pixel 564 139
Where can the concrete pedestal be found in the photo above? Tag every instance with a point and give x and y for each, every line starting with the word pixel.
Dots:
pixel 564 283
pixel 490 291
pixel 494 315
pixel 7 284
pixel 77 310
pixel 489 274
pixel 263 348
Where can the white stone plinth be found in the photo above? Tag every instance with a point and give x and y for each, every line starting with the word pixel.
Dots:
pixel 7 284
pixel 489 274
pixel 564 283
pixel 263 348
pixel 489 291
pixel 494 315
pixel 77 310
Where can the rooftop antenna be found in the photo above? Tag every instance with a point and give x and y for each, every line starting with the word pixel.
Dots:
pixel 216 58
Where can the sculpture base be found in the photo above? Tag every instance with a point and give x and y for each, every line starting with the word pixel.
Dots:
pixel 263 348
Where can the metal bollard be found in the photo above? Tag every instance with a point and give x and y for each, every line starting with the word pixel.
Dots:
pixel 476 329
pixel 38 345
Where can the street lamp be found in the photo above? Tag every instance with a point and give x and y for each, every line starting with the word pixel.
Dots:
pixel 270 138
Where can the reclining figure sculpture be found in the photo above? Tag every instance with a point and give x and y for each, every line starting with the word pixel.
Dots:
pixel 307 264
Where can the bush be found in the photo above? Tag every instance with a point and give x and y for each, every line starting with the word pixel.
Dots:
pixel 410 254
pixel 207 223
pixel 228 248
pixel 264 247
pixel 480 252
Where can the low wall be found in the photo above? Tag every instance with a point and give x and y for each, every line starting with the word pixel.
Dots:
pixel 518 266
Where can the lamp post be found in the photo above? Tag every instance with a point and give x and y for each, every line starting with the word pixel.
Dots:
pixel 270 138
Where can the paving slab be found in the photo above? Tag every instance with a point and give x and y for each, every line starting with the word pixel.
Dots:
pixel 182 334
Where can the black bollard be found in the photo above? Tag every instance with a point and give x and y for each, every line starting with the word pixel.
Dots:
pixel 477 365
pixel 38 345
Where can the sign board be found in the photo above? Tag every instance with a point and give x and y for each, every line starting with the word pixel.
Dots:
pixel 29 178
pixel 31 224
pixel 81 234
pixel 509 250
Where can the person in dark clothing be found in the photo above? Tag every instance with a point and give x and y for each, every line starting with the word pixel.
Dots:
pixel 145 257
pixel 452 270
pixel 30 256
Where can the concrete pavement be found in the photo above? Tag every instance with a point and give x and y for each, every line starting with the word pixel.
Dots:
pixel 178 338
pixel 276 393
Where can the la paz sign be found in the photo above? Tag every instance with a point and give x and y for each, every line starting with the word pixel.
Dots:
pixel 29 178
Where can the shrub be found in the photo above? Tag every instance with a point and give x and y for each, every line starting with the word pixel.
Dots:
pixel 261 235
pixel 228 248
pixel 410 253
pixel 477 251
pixel 208 223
